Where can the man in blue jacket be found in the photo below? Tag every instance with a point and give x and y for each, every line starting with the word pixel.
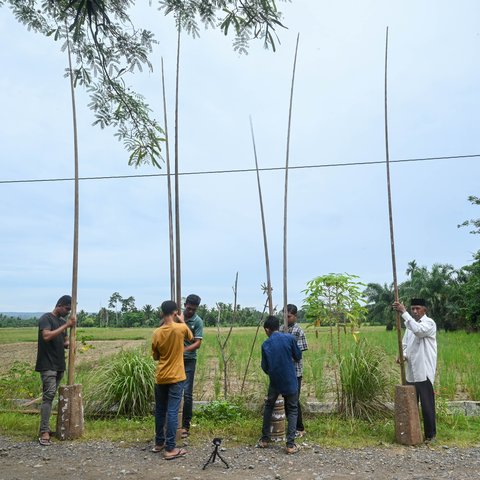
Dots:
pixel 279 354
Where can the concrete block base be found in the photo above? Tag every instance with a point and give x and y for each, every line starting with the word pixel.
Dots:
pixel 407 419
pixel 70 412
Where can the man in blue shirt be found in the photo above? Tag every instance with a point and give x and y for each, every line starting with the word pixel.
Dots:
pixel 279 352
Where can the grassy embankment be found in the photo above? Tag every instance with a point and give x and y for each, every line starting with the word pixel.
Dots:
pixel 458 373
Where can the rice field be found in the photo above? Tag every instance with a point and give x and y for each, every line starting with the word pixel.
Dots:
pixel 458 368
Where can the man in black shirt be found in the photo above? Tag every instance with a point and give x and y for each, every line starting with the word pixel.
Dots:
pixel 52 342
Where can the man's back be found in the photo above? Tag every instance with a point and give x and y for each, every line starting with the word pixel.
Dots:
pixel 278 354
pixel 167 342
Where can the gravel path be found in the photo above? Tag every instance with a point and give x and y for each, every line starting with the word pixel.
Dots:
pixel 105 460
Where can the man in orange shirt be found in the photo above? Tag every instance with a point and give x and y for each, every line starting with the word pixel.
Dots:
pixel 167 348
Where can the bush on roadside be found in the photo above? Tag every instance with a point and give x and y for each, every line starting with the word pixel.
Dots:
pixel 365 382
pixel 123 386
pixel 220 411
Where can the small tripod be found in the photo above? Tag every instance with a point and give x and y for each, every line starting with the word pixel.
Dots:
pixel 215 454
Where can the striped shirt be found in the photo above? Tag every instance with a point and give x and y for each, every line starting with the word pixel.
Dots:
pixel 299 335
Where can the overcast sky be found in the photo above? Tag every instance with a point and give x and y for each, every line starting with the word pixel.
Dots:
pixel 337 216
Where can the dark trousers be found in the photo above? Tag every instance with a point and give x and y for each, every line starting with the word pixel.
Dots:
pixel 300 426
pixel 190 365
pixel 426 397
pixel 50 382
pixel 291 402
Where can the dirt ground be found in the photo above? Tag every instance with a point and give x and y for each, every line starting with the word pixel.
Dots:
pixel 27 351
pixel 105 460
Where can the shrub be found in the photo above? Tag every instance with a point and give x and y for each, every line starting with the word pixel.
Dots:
pixel 365 381
pixel 122 386
pixel 220 411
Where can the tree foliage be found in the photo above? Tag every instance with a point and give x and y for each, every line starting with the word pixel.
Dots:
pixel 470 305
pixel 475 223
pixel 248 19
pixel 452 295
pixel 108 47
pixel 438 287
pixel 379 304
pixel 334 298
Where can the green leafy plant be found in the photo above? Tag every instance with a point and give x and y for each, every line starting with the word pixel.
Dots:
pixel 220 411
pixel 335 299
pixel 365 381
pixel 123 386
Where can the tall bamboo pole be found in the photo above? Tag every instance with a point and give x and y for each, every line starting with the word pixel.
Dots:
pixel 390 219
pixel 169 194
pixel 285 200
pixel 178 275
pixel 73 330
pixel 264 228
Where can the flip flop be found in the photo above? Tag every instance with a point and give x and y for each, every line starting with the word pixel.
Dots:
pixel 262 444
pixel 180 453
pixel 291 450
pixel 158 448
pixel 185 433
pixel 45 442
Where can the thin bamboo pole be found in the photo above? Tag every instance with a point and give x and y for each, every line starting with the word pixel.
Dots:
pixel 390 219
pixel 260 323
pixel 264 228
pixel 169 194
pixel 285 201
pixel 178 274
pixel 73 330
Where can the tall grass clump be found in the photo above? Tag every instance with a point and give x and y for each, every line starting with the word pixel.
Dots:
pixel 122 386
pixel 365 381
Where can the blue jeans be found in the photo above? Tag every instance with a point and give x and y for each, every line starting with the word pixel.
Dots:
pixel 291 408
pixel 190 364
pixel 300 426
pixel 167 402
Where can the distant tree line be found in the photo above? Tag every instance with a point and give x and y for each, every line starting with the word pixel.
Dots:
pixel 9 321
pixel 123 313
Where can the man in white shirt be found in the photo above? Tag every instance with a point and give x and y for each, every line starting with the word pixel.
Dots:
pixel 420 355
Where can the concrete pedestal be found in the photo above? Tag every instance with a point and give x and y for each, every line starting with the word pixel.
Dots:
pixel 277 429
pixel 70 412
pixel 407 419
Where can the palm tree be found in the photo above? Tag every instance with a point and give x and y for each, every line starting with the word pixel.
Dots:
pixel 379 303
pixel 412 266
pixel 439 287
pixel 148 314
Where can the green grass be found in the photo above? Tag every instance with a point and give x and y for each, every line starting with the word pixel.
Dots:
pixel 30 334
pixel 324 430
